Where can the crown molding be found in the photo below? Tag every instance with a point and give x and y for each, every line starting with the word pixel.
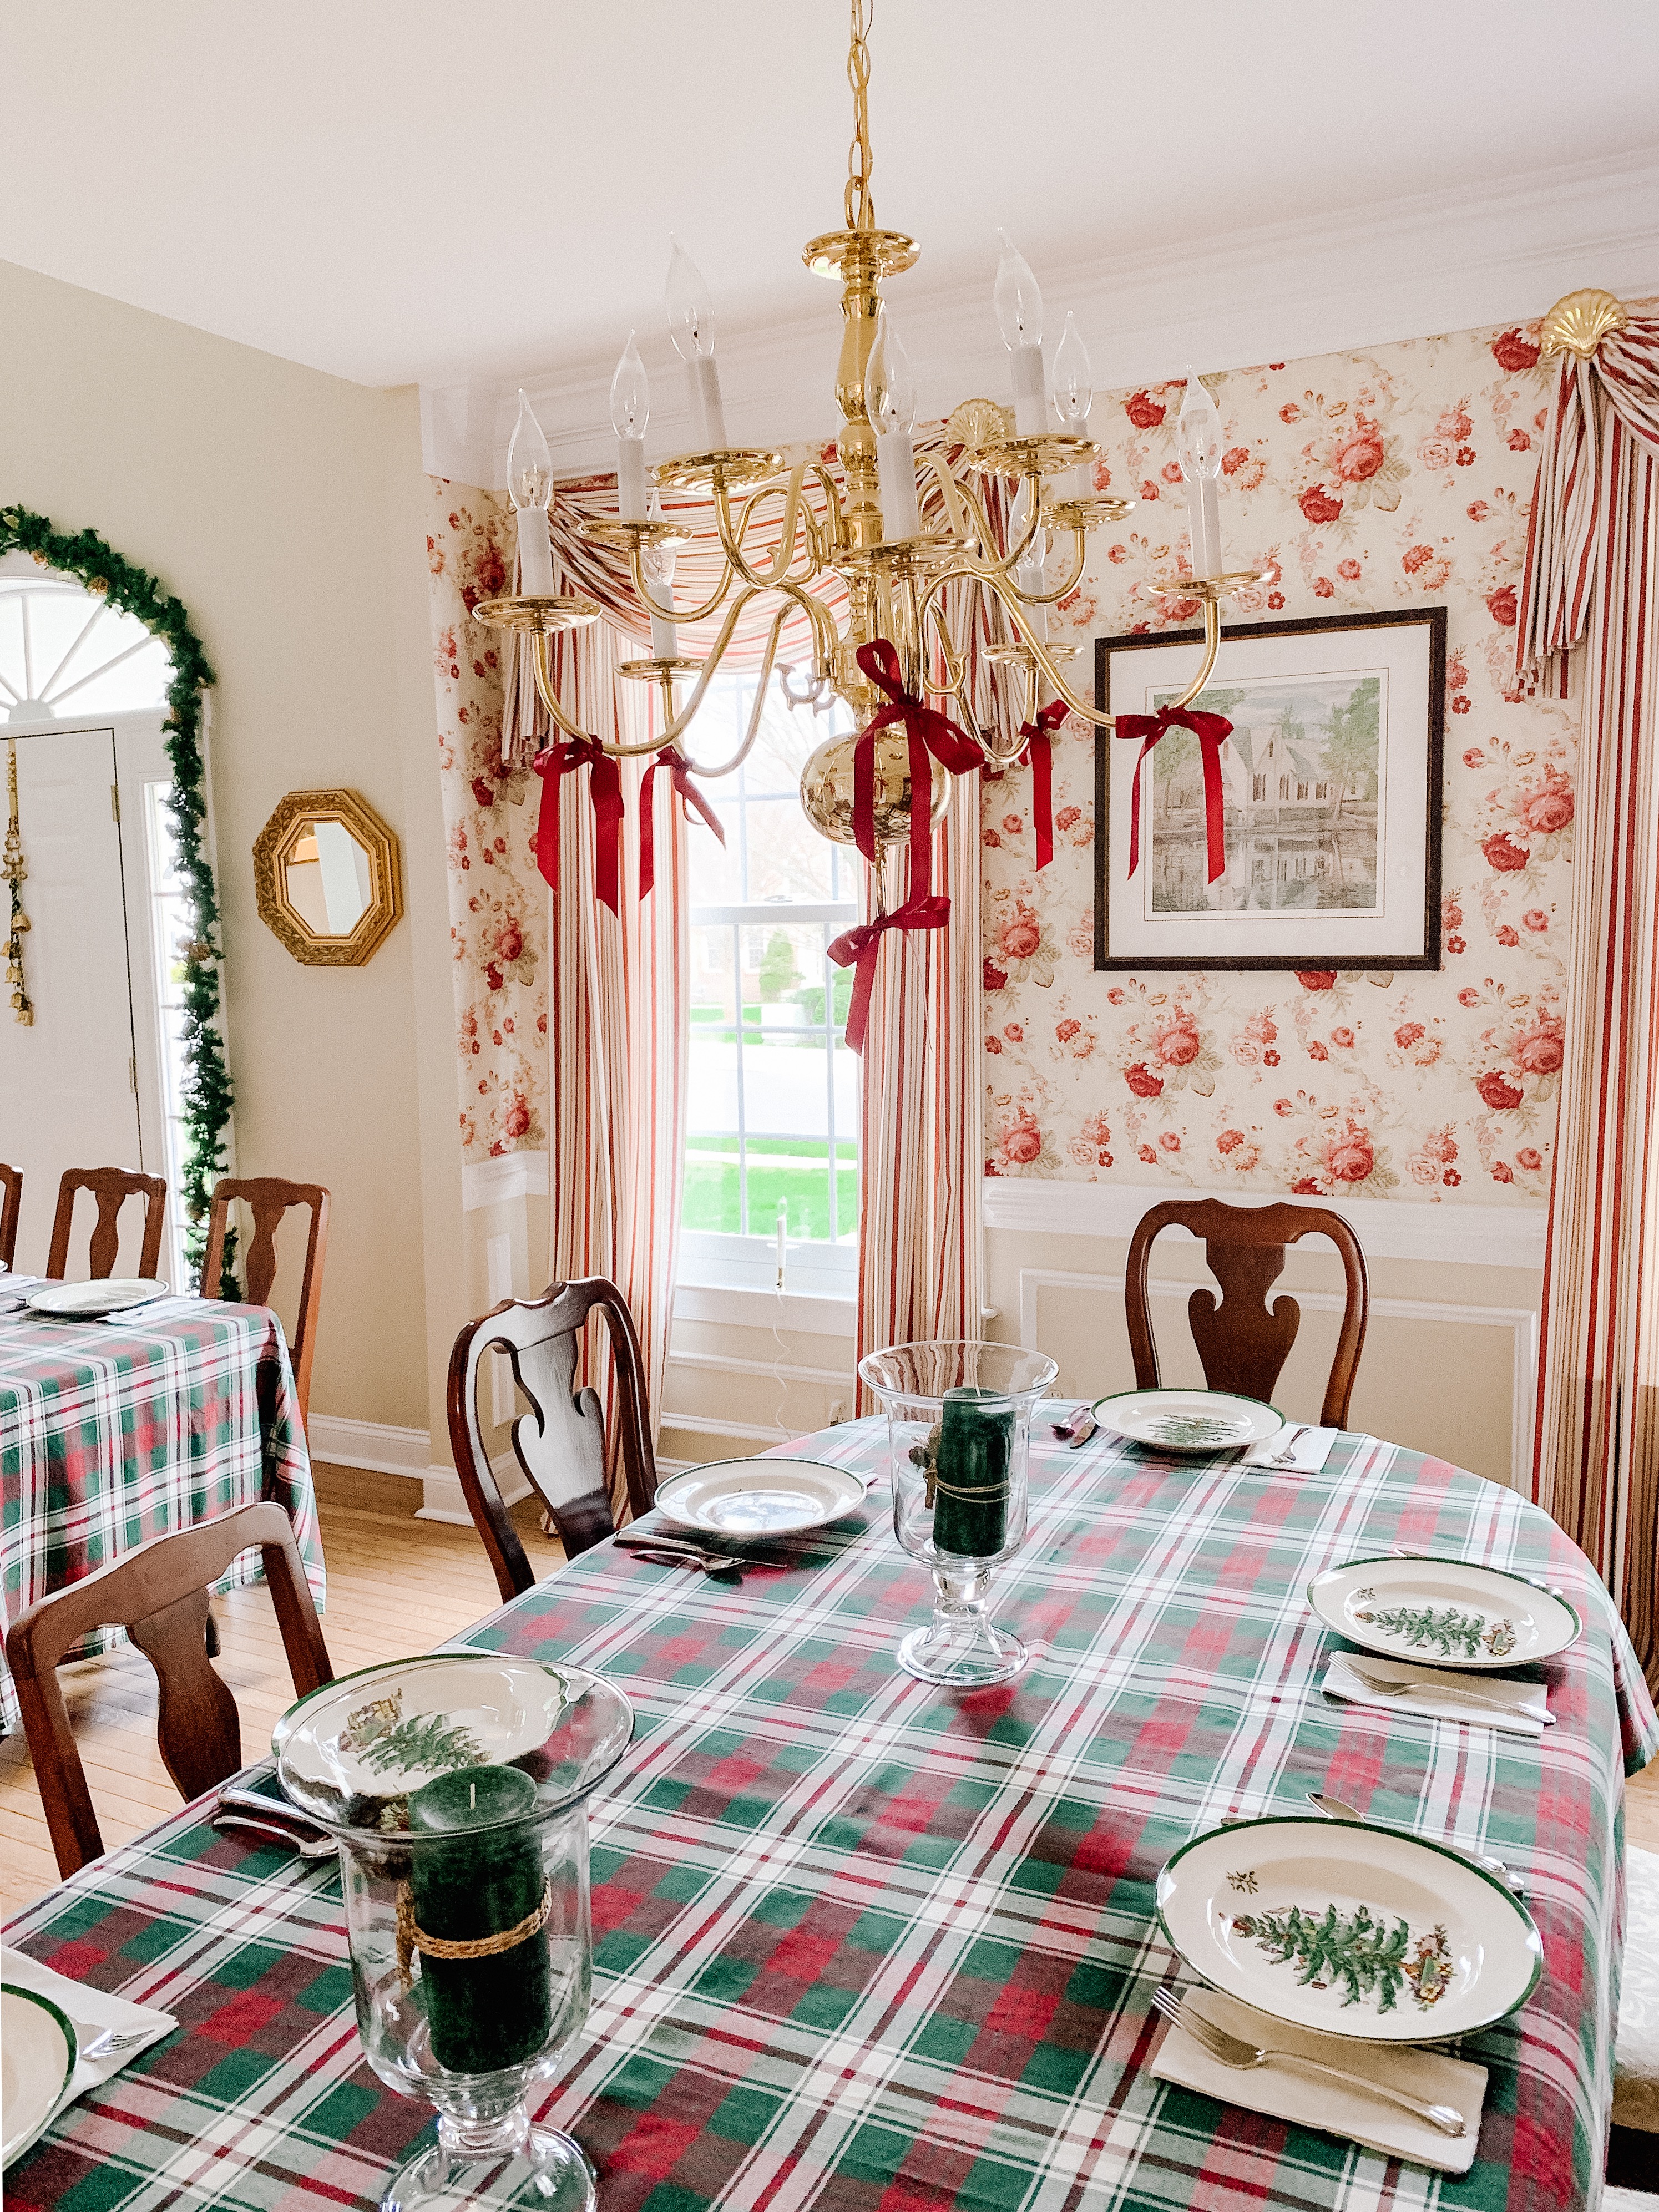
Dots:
pixel 1282 291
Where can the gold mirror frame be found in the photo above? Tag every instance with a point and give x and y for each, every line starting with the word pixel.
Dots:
pixel 276 909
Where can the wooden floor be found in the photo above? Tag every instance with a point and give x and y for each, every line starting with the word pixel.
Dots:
pixel 396 1586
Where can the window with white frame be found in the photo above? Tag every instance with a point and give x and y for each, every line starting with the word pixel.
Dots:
pixel 772 1122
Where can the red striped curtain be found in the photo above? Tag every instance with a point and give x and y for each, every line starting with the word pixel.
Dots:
pixel 1590 618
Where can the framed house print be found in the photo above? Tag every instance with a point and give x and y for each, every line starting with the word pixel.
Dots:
pixel 1331 790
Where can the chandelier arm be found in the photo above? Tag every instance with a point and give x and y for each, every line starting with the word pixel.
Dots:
pixel 732 540
pixel 672 613
pixel 725 768
pixel 956 671
pixel 1079 555
pixel 833 523
pixel 549 697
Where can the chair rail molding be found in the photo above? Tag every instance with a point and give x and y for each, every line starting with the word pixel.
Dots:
pixel 1521 1321
pixel 1389 1229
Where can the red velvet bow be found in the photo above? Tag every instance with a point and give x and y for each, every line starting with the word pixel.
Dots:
pixel 928 730
pixel 1039 750
pixel 1211 732
pixel 553 763
pixel 861 946
pixel 679 770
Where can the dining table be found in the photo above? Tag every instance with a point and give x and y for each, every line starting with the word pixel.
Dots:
pixel 115 1431
pixel 868 1945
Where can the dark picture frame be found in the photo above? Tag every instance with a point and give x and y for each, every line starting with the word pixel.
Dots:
pixel 1289 853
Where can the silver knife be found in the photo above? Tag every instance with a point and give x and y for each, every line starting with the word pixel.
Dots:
pixel 1085 1427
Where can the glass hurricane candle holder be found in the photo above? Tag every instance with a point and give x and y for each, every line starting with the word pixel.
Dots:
pixel 958 1438
pixel 457 1787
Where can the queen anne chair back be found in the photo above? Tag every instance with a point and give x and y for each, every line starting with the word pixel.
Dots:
pixel 561 1442
pixel 268 1198
pixel 111 1189
pixel 159 1594
pixel 1243 1344
pixel 11 1200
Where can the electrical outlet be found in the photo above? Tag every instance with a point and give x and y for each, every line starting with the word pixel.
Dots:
pixel 837 1412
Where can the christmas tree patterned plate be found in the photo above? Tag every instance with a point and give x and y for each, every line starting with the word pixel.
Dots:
pixel 1445 1612
pixel 1187 1422
pixel 1349 1929
pixel 37 2064
pixel 351 1753
pixel 759 1497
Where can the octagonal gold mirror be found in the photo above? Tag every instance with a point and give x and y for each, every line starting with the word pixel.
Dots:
pixel 328 879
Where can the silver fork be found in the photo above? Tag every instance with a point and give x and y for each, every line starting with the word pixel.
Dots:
pixel 1381 1688
pixel 673 1555
pixel 116 2038
pixel 1286 1452
pixel 1232 2050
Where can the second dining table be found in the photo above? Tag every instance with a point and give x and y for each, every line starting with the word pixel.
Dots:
pixel 864 1944
pixel 114 1431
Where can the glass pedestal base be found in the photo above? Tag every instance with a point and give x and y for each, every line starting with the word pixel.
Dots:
pixel 959 1646
pixel 500 2164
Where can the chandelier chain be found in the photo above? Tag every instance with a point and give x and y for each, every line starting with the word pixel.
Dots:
pixel 860 208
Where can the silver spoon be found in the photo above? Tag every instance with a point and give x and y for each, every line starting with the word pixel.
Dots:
pixel 1335 1809
pixel 664 1555
pixel 308 1847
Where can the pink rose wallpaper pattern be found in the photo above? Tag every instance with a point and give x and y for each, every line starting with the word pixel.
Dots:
pixel 498 904
pixel 1365 481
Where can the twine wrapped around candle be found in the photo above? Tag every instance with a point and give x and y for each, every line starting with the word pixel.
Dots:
pixel 412 1938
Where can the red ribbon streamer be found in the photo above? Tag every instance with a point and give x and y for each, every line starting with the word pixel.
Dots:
pixel 928 730
pixel 553 763
pixel 1039 751
pixel 859 947
pixel 680 771
pixel 1211 732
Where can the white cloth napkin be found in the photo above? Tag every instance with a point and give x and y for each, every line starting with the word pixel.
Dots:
pixel 1483 1701
pixel 1313 2100
pixel 92 2011
pixel 1311 1450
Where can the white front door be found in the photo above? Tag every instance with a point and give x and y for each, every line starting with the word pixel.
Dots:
pixel 81 1086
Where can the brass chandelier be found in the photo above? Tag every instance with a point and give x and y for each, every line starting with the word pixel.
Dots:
pixel 861 539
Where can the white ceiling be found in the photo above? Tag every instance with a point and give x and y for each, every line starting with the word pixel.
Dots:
pixel 402 191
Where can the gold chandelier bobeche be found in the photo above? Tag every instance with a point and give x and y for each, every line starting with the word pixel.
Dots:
pixel 892 586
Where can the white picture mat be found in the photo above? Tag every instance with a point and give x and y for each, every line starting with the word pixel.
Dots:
pixel 1302 937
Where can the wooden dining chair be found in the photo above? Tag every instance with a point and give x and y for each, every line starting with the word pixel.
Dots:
pixel 159 1595
pixel 11 1202
pixel 268 1198
pixel 1243 1344
pixel 112 1187
pixel 561 1442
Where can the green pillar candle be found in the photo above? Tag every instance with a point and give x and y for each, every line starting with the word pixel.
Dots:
pixel 482 1880
pixel 975 1447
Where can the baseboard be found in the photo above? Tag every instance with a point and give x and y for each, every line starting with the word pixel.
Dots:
pixel 444 1500
pixel 372 1444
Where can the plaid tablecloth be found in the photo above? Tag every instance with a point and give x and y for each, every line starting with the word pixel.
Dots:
pixel 869 1947
pixel 113 1432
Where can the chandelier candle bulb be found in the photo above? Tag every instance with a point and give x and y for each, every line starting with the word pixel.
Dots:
pixel 1198 442
pixel 1074 395
pixel 1019 318
pixel 481 1876
pixel 630 411
pixel 691 327
pixel 530 483
pixel 889 401
pixel 659 573
pixel 976 1446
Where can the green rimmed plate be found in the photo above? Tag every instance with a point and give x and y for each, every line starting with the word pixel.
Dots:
pixel 38 2052
pixel 1444 1612
pixel 1349 1929
pixel 1189 1423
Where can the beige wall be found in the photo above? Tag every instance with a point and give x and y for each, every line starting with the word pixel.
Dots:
pixel 283 507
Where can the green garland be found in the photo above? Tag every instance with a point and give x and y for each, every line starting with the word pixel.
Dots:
pixel 207 1093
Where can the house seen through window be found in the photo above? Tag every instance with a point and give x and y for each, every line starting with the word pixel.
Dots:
pixel 773 1092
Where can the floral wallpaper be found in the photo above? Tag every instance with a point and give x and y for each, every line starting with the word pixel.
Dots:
pixel 498 905
pixel 1365 481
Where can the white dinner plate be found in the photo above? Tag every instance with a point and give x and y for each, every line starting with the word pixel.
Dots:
pixel 88 1301
pixel 1349 1929
pixel 1187 1422
pixel 759 1497
pixel 37 2060
pixel 1445 1612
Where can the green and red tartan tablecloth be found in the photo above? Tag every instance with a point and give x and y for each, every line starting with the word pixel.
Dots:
pixel 864 1945
pixel 112 1433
